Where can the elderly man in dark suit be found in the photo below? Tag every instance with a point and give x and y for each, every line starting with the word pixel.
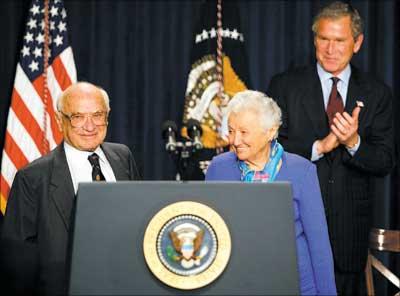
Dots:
pixel 341 119
pixel 38 215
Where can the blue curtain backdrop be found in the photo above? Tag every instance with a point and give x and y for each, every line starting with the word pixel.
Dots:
pixel 139 51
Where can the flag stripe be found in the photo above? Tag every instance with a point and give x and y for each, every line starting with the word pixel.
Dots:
pixel 67 58
pixel 32 100
pixel 28 121
pixel 55 91
pixel 60 73
pixel 8 175
pixel 50 137
pixel 29 95
pixel 39 86
pixel 13 154
pixel 15 130
pixel 54 87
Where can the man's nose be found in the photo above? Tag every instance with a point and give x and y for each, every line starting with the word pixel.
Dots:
pixel 89 124
pixel 331 46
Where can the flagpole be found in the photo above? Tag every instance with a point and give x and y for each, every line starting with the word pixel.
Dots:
pixel 219 50
pixel 45 144
pixel 220 77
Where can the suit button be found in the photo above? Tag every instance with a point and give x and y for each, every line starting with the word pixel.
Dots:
pixel 330 181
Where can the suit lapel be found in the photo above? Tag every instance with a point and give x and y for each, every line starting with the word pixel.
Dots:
pixel 61 187
pixel 313 102
pixel 120 172
pixel 356 92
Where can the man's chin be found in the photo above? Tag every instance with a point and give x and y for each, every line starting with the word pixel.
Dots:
pixel 89 148
pixel 331 67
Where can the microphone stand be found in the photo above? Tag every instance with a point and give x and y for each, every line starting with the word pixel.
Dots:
pixel 184 150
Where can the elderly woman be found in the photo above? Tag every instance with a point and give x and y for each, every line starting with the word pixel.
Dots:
pixel 256 156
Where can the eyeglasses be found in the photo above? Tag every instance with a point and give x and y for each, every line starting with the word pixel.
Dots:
pixel 78 120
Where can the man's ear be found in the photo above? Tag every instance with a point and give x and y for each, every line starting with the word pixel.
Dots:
pixel 59 121
pixel 108 114
pixel 358 42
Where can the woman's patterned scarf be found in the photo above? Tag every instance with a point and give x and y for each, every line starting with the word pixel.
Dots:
pixel 271 169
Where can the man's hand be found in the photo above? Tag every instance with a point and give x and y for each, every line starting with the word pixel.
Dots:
pixel 327 144
pixel 345 127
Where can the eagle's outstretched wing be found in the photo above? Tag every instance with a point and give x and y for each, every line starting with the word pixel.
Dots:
pixel 175 241
pixel 198 240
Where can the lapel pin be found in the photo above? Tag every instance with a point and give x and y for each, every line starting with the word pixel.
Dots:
pixel 360 104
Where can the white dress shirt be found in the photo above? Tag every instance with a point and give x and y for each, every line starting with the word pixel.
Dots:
pixel 80 167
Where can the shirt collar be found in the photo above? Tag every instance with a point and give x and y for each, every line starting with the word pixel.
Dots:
pixel 82 155
pixel 344 76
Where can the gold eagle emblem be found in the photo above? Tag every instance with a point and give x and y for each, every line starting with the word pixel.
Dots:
pixel 187 239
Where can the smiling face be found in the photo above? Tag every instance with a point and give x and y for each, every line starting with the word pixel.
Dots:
pixel 335 44
pixel 83 99
pixel 249 140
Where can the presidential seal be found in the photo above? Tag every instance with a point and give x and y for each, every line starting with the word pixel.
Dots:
pixel 187 245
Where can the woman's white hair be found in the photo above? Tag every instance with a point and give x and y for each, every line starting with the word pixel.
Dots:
pixel 266 110
pixel 64 94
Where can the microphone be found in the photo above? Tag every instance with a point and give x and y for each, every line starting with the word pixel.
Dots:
pixel 195 131
pixel 169 131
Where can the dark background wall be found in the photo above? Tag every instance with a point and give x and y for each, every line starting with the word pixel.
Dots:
pixel 139 51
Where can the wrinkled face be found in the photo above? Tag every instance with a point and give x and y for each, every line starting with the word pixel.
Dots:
pixel 334 44
pixel 249 140
pixel 86 101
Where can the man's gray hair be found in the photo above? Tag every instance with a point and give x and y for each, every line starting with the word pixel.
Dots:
pixel 265 109
pixel 338 10
pixel 61 98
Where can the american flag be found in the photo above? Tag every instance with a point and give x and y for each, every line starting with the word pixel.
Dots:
pixel 46 67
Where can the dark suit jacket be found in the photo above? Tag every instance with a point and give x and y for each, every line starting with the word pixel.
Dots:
pixel 37 221
pixel 345 180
